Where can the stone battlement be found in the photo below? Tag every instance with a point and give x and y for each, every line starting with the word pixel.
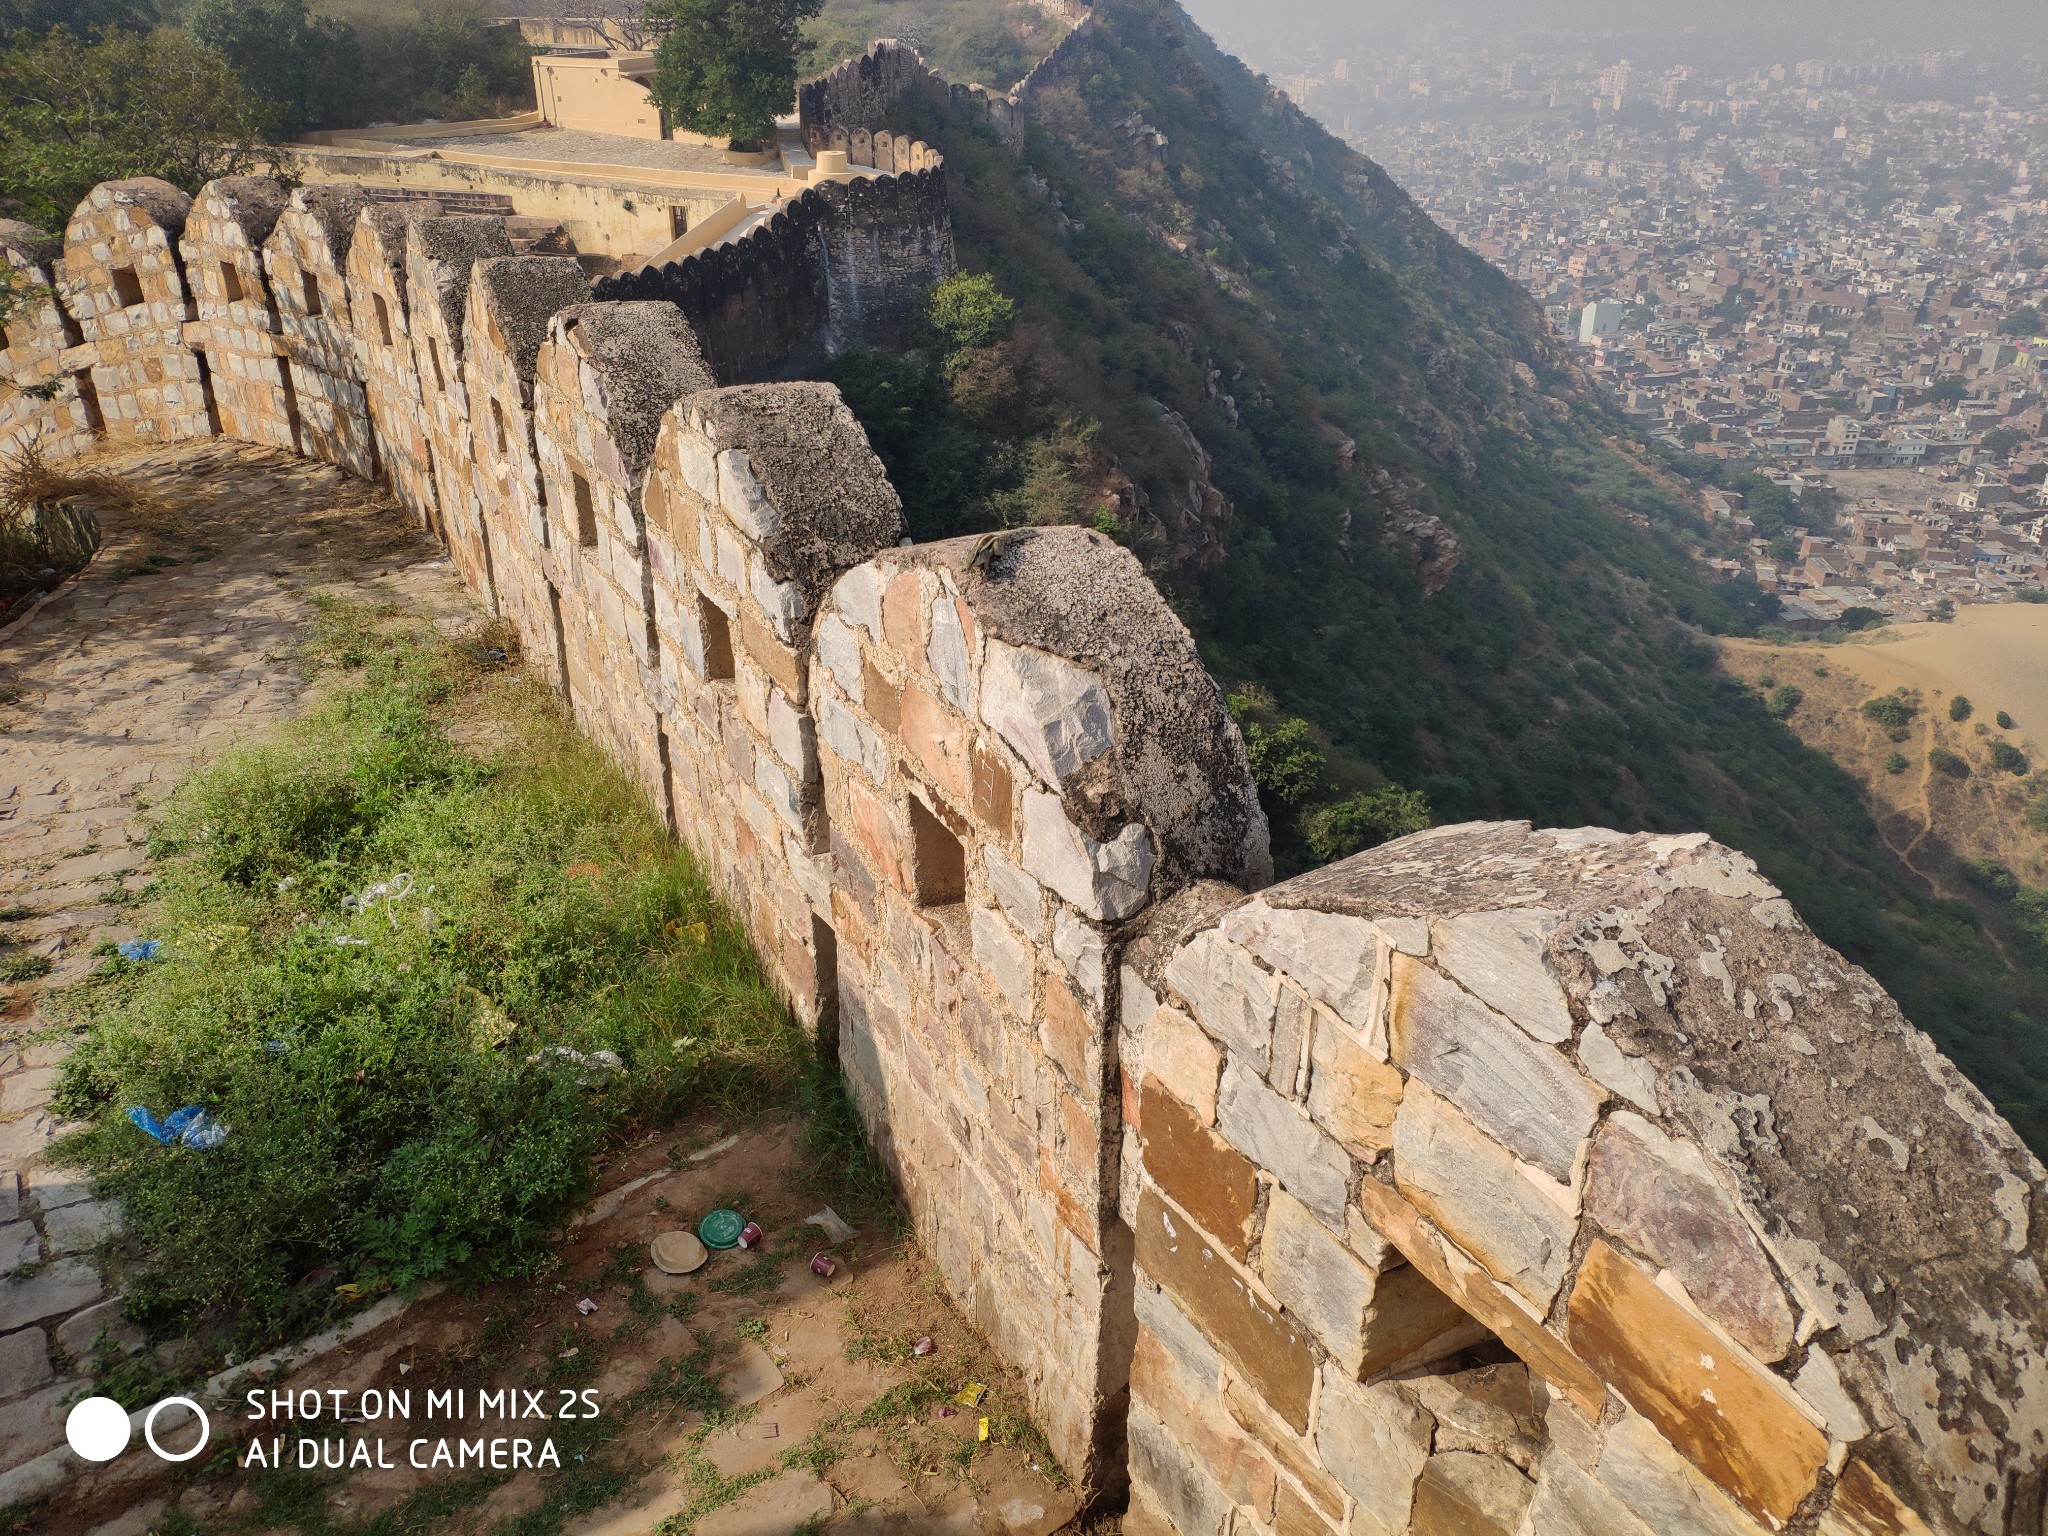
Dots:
pixel 1494 1180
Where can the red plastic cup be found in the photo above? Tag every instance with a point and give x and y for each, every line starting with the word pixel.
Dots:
pixel 822 1264
pixel 750 1234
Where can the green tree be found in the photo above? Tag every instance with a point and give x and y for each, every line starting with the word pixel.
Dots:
pixel 1694 432
pixel 1286 762
pixel 75 113
pixel 2004 721
pixel 967 310
pixel 1946 762
pixel 1959 708
pixel 1783 700
pixel 2000 441
pixel 1894 762
pixel 728 67
pixel 83 16
pixel 2006 756
pixel 309 65
pixel 1859 617
pixel 1948 392
pixel 2024 321
pixel 1365 821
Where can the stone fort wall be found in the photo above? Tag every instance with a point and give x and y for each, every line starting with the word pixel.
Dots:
pixel 1495 1180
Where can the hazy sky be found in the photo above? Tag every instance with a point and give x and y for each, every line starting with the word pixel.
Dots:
pixel 1722 28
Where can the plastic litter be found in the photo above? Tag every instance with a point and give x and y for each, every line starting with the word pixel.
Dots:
pixel 496 654
pixel 595 1065
pixel 824 1265
pixel 714 1149
pixel 139 949
pixel 350 941
pixel 970 1396
pixel 678 1252
pixel 982 1433
pixel 946 1411
pixel 721 1229
pixel 750 1234
pixel 836 1229
pixel 923 1346
pixel 191 1126
pixel 585 1305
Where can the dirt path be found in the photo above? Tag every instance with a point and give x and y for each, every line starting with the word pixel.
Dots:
pixel 754 1396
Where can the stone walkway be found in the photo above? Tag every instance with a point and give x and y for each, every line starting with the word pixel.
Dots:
pixel 179 638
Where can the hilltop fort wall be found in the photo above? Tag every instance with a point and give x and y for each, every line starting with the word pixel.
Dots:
pixel 1494 1180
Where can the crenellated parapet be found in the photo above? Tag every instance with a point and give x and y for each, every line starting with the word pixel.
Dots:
pixel 1567 1180
pixel 1496 1180
pixel 49 397
pixel 122 282
pixel 305 260
pixel 236 326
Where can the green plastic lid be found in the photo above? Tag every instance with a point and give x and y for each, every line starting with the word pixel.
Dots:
pixel 721 1229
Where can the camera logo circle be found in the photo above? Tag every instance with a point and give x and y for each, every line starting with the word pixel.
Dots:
pixel 99 1429
pixel 149 1429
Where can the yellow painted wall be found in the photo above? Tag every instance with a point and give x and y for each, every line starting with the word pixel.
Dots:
pixel 599 95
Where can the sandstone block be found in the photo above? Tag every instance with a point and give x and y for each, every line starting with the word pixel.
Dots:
pixel 1351 1094
pixel 840 652
pixel 947 651
pixel 24 1362
pixel 1186 1061
pixel 1053 714
pixel 1193 1355
pixel 1316 1278
pixel 1279 1138
pixel 1522 1093
pixel 990 787
pixel 936 740
pixel 1375 1441
pixel 1232 998
pixel 32 1425
pixel 1661 1197
pixel 1253 1335
pixel 1069 1034
pixel 852 740
pixel 1722 1411
pixel 1471 1188
pixel 1294 1515
pixel 1664 1491
pixel 1292 1021
pixel 1499 958
pixel 1464 1493
pixel 1079 947
pixel 1619 1073
pixel 1164 1474
pixel 903 617
pixel 1197 1169
pixel 1107 881
pixel 77 1228
pixel 18 1245
pixel 78 1334
pixel 1287 1448
pixel 1021 897
pixel 1569 1502
pixel 52 1291
pixel 1006 958
pixel 1340 961
pixel 1864 1505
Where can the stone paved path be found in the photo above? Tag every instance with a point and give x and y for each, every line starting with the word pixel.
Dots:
pixel 179 638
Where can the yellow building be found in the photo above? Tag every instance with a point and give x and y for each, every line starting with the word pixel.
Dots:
pixel 599 93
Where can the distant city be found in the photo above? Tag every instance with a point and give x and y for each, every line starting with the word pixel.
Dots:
pixel 1827 271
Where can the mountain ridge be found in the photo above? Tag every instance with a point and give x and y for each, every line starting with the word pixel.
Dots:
pixel 1429 539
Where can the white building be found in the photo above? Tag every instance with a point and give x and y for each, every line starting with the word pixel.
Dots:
pixel 1600 318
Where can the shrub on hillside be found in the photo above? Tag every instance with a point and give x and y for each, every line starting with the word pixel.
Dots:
pixel 1894 763
pixel 1365 821
pixel 2009 759
pixel 1946 762
pixel 1893 711
pixel 1783 700
pixel 2004 720
pixel 1960 708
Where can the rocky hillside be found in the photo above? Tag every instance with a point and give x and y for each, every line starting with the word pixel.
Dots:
pixel 1422 553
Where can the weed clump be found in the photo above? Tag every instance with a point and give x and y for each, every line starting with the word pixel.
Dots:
pixel 421 984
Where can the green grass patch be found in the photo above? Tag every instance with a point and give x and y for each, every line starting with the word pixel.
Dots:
pixel 390 963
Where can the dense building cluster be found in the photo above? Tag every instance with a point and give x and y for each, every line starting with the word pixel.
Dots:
pixel 1830 272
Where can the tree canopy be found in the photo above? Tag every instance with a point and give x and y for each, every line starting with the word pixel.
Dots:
pixel 75 113
pixel 310 66
pixel 83 16
pixel 727 68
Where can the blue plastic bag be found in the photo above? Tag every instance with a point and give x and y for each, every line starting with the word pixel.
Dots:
pixel 191 1126
pixel 138 949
